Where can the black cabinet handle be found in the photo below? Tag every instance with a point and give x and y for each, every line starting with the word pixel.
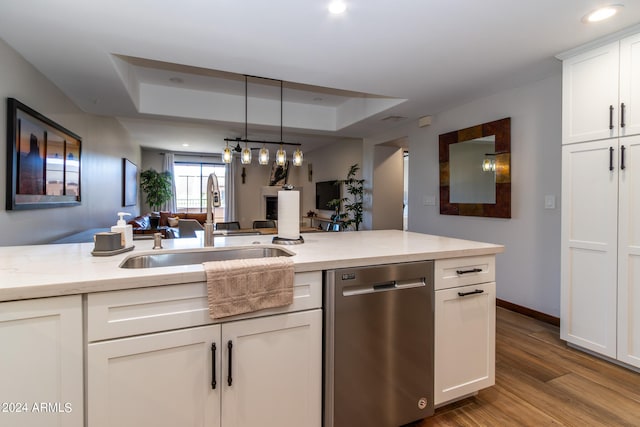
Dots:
pixel 622 165
pixel 610 117
pixel 464 294
pixel 622 123
pixel 610 158
pixel 473 270
pixel 214 383
pixel 229 374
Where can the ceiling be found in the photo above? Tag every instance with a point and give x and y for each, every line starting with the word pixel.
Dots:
pixel 173 72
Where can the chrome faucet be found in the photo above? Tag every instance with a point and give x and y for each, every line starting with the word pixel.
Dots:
pixel 213 201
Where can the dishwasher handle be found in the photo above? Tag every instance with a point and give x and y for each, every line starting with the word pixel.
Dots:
pixel 392 285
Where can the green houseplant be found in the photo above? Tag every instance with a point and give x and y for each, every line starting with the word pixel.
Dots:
pixel 353 205
pixel 157 188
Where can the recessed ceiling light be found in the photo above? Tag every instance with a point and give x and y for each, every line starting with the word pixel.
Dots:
pixel 602 13
pixel 185 145
pixel 337 7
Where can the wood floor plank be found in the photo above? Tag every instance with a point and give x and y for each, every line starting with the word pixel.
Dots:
pixel 540 381
pixel 612 407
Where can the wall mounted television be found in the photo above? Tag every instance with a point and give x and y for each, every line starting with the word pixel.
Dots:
pixel 325 192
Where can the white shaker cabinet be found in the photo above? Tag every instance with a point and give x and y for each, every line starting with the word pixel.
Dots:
pixel 601 95
pixel 464 321
pixel 41 362
pixel 600 292
pixel 629 254
pixel 600 238
pixel 273 377
pixel 144 371
pixel 589 245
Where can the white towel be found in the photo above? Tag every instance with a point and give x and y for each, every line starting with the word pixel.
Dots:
pixel 245 285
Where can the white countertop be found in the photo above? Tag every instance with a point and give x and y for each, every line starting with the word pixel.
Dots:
pixel 64 269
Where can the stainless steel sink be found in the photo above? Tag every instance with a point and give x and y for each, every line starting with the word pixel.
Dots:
pixel 170 259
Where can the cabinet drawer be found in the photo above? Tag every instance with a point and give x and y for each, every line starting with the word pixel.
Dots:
pixel 139 311
pixel 454 272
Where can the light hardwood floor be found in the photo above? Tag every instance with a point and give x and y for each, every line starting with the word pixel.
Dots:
pixel 542 382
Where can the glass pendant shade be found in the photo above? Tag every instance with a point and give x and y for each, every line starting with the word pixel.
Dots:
pixel 263 156
pixel 281 157
pixel 245 157
pixel 297 157
pixel 488 165
pixel 226 154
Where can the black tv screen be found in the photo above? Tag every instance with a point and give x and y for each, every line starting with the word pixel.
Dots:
pixel 325 192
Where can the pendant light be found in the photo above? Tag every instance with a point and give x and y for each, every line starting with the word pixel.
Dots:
pixel 245 157
pixel 281 156
pixel 263 156
pixel 297 157
pixel 226 154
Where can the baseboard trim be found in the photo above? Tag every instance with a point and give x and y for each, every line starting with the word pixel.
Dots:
pixel 543 317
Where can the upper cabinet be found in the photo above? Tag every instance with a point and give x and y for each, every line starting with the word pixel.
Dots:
pixel 599 99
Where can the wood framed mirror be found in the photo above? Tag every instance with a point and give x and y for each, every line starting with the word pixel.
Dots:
pixel 475 170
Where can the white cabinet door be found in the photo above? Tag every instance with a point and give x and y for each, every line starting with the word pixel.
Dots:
pixel 589 245
pixel 630 85
pixel 589 90
pixel 629 254
pixel 464 344
pixel 162 379
pixel 41 380
pixel 275 371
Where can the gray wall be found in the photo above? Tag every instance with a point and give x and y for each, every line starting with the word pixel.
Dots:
pixel 104 144
pixel 387 188
pixel 528 272
pixel 329 163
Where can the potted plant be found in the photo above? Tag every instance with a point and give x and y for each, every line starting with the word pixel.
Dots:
pixel 353 205
pixel 157 187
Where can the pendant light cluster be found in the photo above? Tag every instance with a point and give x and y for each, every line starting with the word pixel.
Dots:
pixel 263 155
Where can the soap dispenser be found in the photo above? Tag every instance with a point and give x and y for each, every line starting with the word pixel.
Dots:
pixel 125 229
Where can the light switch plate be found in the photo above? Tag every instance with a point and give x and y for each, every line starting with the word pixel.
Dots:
pixel 549 202
pixel 429 200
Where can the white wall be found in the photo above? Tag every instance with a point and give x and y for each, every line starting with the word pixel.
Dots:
pixel 104 144
pixel 528 272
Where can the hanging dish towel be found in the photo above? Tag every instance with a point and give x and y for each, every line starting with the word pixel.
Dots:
pixel 245 285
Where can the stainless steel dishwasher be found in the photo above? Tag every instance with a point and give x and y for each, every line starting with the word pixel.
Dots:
pixel 378 338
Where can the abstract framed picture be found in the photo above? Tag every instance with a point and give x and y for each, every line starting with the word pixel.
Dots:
pixel 129 183
pixel 43 161
pixel 279 174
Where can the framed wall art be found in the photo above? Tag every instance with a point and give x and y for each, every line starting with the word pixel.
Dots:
pixel 43 161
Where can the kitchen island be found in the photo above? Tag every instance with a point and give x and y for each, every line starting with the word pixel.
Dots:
pixel 144 336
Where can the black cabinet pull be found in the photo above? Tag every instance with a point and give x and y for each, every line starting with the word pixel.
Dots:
pixel 473 270
pixel 229 374
pixel 610 117
pixel 214 383
pixel 610 158
pixel 622 123
pixel 622 165
pixel 464 294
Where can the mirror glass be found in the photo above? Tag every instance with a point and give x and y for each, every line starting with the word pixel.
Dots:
pixel 475 170
pixel 472 177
